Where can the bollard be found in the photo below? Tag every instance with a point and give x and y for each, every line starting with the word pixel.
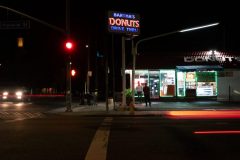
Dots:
pixel 131 108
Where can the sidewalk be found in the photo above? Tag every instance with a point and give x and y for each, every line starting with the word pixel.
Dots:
pixel 157 108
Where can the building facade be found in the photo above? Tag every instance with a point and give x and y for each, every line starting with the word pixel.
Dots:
pixel 208 74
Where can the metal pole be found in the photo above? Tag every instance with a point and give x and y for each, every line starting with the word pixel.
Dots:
pixel 68 17
pixel 123 74
pixel 113 73
pixel 88 68
pixel 69 87
pixel 106 80
pixel 133 72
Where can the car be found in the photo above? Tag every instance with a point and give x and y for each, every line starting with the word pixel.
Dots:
pixel 12 93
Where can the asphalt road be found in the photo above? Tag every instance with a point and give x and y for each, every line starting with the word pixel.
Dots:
pixel 156 138
pixel 121 137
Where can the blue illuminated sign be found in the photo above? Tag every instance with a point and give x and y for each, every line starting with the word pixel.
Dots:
pixel 127 23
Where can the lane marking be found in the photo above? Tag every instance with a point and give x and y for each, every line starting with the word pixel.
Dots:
pixel 99 144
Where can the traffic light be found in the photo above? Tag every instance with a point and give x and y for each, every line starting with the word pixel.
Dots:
pixel 69 46
pixel 73 72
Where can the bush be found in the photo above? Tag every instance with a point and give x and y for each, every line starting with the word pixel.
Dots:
pixel 128 94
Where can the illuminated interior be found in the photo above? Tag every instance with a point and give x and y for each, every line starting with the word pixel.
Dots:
pixel 171 83
pixel 141 77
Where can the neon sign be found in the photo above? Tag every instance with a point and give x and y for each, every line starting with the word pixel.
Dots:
pixel 127 23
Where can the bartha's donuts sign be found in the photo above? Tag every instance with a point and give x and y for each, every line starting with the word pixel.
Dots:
pixel 128 23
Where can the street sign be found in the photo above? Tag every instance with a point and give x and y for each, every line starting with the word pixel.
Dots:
pixel 19 24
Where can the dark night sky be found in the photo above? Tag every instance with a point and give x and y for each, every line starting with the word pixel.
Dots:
pixel 42 61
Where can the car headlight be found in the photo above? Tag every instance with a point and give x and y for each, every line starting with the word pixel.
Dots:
pixel 5 95
pixel 19 94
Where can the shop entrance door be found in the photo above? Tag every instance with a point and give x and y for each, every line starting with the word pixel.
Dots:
pixel 167 79
pixel 154 84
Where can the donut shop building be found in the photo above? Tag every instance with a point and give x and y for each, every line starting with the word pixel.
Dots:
pixel 201 75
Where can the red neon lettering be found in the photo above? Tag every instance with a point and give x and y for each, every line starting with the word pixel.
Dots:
pixel 136 24
pixel 111 21
pixel 118 22
pixel 123 22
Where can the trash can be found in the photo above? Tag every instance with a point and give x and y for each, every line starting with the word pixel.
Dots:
pixel 110 101
pixel 89 99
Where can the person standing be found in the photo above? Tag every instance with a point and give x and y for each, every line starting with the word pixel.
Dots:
pixel 139 90
pixel 146 91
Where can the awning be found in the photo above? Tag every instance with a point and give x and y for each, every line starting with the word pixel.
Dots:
pixel 200 68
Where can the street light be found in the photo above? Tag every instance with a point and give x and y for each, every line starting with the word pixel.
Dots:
pixel 135 47
pixel 34 19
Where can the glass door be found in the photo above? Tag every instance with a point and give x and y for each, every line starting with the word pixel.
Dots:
pixel 181 84
pixel 154 84
pixel 167 83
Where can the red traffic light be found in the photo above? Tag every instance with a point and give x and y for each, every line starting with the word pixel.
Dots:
pixel 69 46
pixel 73 72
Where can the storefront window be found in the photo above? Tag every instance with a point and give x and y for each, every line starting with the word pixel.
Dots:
pixel 167 86
pixel 181 84
pixel 206 84
pixel 141 77
pixel 191 80
pixel 191 84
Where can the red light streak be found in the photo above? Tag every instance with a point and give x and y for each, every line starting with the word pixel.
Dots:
pixel 45 95
pixel 217 132
pixel 219 114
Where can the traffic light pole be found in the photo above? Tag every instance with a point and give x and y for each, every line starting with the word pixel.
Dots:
pixel 68 74
pixel 69 87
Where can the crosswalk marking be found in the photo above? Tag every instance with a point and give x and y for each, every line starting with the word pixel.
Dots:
pixel 16 116
pixel 99 145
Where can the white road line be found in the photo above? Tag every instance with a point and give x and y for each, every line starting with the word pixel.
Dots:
pixel 99 145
